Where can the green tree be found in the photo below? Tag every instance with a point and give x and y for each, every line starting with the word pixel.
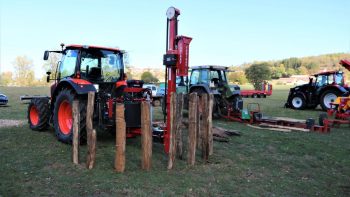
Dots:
pixel 292 63
pixel 6 78
pixel 237 77
pixel 148 77
pixel 258 73
pixel 51 63
pixel 24 74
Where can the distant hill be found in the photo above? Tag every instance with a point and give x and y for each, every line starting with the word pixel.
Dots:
pixel 280 68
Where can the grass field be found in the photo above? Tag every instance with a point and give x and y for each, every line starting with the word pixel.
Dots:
pixel 259 163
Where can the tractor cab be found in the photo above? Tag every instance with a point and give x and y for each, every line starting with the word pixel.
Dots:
pixel 212 79
pixel 91 63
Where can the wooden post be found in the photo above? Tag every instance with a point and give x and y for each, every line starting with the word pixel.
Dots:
pixel 204 127
pixel 172 146
pixel 76 128
pixel 210 124
pixel 90 132
pixel 199 120
pixel 119 162
pixel 179 137
pixel 146 136
pixel 192 128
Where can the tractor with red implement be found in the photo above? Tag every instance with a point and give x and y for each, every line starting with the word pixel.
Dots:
pixel 322 89
pixel 83 69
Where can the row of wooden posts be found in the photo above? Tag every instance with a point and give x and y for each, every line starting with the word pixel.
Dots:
pixel 199 131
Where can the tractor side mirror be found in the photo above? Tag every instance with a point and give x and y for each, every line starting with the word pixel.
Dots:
pixel 48 76
pixel 46 55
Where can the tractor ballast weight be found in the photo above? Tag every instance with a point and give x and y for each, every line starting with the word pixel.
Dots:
pixel 326 87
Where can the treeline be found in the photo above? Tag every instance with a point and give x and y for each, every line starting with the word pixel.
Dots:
pixel 23 74
pixel 291 66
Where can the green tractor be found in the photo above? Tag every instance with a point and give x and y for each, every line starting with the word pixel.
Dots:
pixel 213 80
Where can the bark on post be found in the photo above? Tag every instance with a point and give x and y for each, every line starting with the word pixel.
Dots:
pixel 91 134
pixel 192 128
pixel 146 136
pixel 199 120
pixel 172 146
pixel 179 137
pixel 119 162
pixel 76 128
pixel 210 124
pixel 204 127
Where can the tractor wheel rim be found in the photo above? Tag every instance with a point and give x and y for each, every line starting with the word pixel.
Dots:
pixel 65 117
pixel 34 116
pixel 329 98
pixel 297 102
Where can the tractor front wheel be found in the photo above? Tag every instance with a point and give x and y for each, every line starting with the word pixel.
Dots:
pixel 297 102
pixel 38 114
pixel 328 97
pixel 63 117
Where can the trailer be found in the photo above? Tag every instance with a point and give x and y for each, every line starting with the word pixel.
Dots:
pixel 266 90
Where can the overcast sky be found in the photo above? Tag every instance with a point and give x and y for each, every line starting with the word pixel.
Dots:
pixel 225 32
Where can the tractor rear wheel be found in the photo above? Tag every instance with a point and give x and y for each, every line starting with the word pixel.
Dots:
pixel 328 97
pixel 38 114
pixel 297 102
pixel 63 117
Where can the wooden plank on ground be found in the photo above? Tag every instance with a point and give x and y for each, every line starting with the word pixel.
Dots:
pixel 271 129
pixel 284 127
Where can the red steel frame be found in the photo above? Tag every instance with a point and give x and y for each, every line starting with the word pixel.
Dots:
pixel 179 46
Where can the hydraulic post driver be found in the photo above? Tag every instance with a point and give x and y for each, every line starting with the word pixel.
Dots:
pixel 176 63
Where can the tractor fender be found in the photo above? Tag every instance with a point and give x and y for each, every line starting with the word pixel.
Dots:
pixel 332 87
pixel 296 92
pixel 199 86
pixel 80 86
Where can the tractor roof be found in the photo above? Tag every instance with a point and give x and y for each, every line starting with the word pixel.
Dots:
pixel 77 46
pixel 326 73
pixel 345 64
pixel 213 67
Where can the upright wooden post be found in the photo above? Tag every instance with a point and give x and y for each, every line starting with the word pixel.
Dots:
pixel 91 133
pixel 179 137
pixel 172 146
pixel 192 128
pixel 119 162
pixel 199 121
pixel 210 124
pixel 204 127
pixel 76 128
pixel 146 136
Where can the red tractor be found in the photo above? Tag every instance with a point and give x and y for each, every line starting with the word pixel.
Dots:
pixel 322 89
pixel 83 69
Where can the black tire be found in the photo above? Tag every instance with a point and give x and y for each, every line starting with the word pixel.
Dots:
pixel 328 96
pixel 254 96
pixel 38 114
pixel 65 134
pixel 322 117
pixel 297 102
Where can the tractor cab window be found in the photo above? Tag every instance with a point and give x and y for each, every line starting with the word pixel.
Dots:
pixel 339 78
pixel 204 76
pixel 100 64
pixel 194 77
pixel 67 67
pixel 215 77
pixel 321 80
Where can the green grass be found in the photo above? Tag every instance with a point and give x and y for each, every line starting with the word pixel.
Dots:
pixel 259 163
